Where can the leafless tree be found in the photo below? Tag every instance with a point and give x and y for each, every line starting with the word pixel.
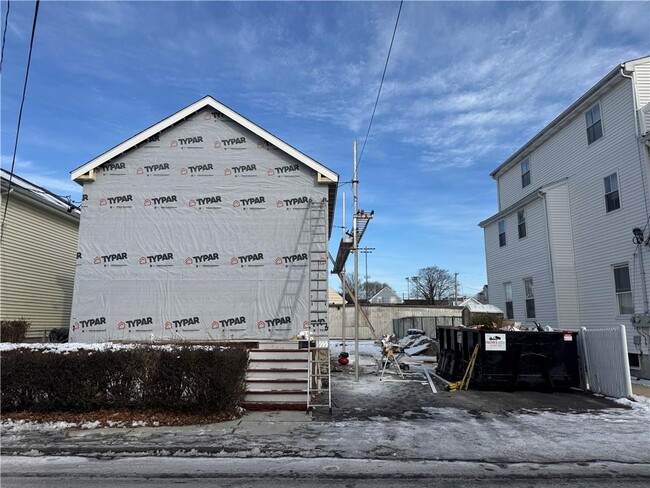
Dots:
pixel 432 283
pixel 366 290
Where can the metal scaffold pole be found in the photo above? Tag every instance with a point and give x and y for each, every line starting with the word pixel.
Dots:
pixel 343 321
pixel 355 184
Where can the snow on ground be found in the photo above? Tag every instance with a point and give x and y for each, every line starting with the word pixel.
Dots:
pixel 366 348
pixel 14 426
pixel 639 381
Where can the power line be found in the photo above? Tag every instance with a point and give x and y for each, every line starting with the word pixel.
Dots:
pixel 20 116
pixel 4 35
pixel 381 83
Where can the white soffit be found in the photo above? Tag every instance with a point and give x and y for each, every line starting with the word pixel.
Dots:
pixel 207 101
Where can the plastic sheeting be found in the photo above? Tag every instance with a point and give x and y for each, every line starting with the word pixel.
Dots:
pixel 203 232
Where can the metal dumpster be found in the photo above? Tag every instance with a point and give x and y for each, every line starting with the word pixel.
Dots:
pixel 510 360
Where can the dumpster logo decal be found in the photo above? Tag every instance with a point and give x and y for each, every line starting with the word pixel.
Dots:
pixel 495 342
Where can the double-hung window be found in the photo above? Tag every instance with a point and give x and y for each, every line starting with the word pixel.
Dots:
pixel 594 124
pixel 508 292
pixel 612 198
pixel 521 223
pixel 502 232
pixel 530 298
pixel 623 290
pixel 525 173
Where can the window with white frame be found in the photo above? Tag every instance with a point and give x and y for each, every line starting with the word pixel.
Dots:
pixel 594 124
pixel 612 198
pixel 502 232
pixel 623 289
pixel 507 287
pixel 530 298
pixel 521 223
pixel 525 173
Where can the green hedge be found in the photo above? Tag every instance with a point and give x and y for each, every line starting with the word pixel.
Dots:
pixel 13 330
pixel 182 379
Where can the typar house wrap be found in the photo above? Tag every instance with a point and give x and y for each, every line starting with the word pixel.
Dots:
pixel 203 226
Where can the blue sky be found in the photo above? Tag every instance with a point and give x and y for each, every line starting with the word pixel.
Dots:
pixel 467 85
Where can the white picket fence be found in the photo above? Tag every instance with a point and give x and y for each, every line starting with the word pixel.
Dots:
pixel 605 365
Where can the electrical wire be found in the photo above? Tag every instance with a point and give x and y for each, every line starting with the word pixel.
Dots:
pixel 381 83
pixel 4 35
pixel 20 116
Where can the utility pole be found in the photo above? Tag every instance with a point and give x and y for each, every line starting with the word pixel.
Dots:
pixel 455 288
pixel 408 287
pixel 366 251
pixel 355 206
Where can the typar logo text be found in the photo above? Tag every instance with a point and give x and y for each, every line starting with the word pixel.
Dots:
pixel 233 143
pixel 163 201
pixel 115 259
pixel 248 259
pixel 88 323
pixel 215 115
pixel 251 203
pixel 115 169
pixel 298 202
pixel 158 260
pixel 188 142
pixel 274 322
pixel 181 323
pixel 198 170
pixel 203 260
pixel 133 323
pixel 292 259
pixel 208 201
pixel 161 169
pixel 245 170
pixel 291 170
pixel 229 323
pixel 117 201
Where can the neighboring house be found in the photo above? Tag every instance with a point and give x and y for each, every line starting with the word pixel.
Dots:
pixel 384 296
pixel 37 256
pixel 334 298
pixel 560 250
pixel 203 226
pixel 472 307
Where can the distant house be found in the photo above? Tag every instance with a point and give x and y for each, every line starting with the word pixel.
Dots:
pixel 472 307
pixel 334 298
pixel 385 296
pixel 567 246
pixel 37 256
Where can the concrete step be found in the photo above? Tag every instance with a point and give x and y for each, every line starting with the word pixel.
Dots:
pixel 276 373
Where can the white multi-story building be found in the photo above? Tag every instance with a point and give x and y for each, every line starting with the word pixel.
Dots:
pixel 561 250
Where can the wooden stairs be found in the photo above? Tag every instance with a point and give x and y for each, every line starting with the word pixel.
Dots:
pixel 277 376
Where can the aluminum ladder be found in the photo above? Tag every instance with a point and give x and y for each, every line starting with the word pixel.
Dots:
pixel 319 392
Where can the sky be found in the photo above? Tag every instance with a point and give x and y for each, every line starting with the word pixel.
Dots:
pixel 468 83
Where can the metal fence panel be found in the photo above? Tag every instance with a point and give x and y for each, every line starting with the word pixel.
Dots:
pixel 605 364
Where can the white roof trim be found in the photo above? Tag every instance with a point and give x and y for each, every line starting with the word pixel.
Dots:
pixel 207 101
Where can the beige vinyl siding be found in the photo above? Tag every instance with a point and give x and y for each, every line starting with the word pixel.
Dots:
pixel 519 259
pixel 37 265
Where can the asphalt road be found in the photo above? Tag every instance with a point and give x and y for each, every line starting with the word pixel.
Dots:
pixel 305 473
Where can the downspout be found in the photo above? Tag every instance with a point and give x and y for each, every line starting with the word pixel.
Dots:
pixel 637 130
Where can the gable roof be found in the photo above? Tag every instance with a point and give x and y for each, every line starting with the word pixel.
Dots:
pixel 390 292
pixel 325 175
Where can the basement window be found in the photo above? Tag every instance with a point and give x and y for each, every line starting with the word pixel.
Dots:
pixel 634 361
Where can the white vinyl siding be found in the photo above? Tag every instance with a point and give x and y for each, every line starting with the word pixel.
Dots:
pixel 584 240
pixel 38 262
pixel 521 259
